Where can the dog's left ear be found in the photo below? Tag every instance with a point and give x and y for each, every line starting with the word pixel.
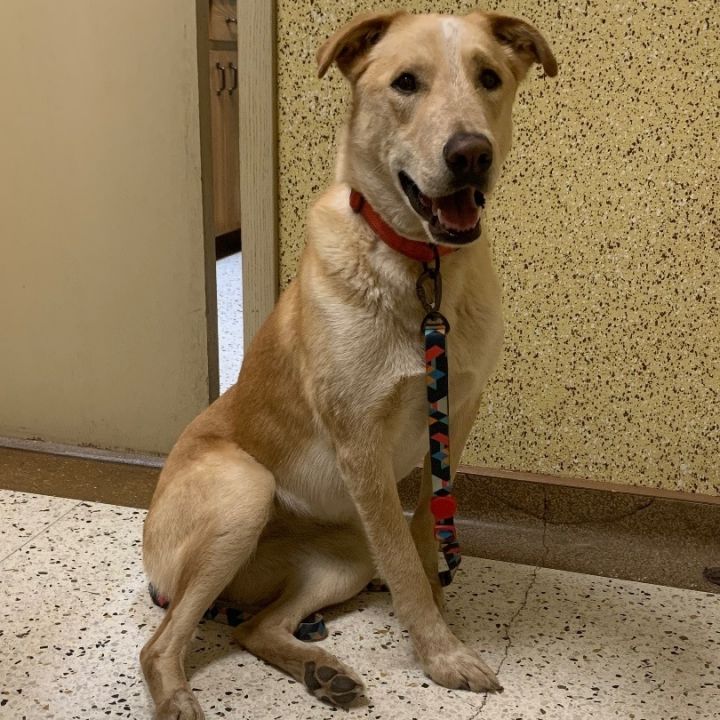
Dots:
pixel 526 43
pixel 351 42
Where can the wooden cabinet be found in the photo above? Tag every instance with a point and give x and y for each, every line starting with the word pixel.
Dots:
pixel 223 20
pixel 224 116
pixel 224 119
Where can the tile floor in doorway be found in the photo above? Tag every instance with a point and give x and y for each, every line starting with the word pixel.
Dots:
pixel 230 318
pixel 74 613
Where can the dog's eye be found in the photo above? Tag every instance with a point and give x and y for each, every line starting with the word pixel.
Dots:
pixel 489 79
pixel 405 82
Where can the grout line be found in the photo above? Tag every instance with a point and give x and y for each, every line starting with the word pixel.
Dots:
pixel 40 532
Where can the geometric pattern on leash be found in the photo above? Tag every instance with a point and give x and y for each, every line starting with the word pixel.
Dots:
pixel 443 507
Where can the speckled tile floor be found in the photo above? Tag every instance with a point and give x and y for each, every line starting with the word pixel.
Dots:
pixel 230 318
pixel 74 613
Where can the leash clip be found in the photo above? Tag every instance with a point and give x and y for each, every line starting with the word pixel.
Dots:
pixel 431 305
pixel 433 317
pixel 432 274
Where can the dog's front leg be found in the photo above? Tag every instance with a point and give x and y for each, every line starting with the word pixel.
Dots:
pixel 369 477
pixel 422 527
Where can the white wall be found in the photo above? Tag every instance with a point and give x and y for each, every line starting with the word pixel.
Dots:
pixel 102 289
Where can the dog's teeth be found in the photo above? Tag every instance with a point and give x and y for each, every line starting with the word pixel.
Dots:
pixel 457 227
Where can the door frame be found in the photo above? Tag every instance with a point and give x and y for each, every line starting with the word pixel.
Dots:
pixel 257 129
pixel 202 15
pixel 258 164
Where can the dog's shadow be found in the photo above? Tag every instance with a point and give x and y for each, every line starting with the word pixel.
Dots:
pixel 214 641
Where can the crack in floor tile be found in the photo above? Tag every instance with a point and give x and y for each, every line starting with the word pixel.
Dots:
pixel 523 604
pixel 40 532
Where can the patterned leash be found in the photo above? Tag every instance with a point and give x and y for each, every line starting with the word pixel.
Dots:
pixel 435 328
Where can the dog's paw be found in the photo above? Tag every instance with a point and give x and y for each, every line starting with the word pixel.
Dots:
pixel 461 669
pixel 336 685
pixel 181 705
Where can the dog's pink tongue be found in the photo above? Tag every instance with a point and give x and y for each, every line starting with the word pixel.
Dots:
pixel 457 211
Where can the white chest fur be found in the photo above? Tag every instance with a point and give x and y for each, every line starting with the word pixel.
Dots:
pixel 312 486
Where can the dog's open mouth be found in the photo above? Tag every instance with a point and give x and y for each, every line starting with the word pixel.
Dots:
pixel 453 219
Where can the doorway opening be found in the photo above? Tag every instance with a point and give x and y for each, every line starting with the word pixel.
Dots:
pixel 224 96
pixel 229 283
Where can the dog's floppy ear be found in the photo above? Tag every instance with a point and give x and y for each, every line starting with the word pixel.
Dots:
pixel 352 41
pixel 526 43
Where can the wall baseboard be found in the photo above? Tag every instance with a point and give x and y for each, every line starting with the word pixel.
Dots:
pixel 157 461
pixel 525 518
pixel 546 522
pixel 83 451
pixel 589 484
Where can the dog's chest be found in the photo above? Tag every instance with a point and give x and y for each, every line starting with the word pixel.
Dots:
pixel 312 486
pixel 391 375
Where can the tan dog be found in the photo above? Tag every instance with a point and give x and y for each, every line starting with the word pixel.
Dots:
pixel 283 493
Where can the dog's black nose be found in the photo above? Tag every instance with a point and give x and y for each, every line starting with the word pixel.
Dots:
pixel 469 156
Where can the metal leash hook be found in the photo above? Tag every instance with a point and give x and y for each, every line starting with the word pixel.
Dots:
pixel 433 316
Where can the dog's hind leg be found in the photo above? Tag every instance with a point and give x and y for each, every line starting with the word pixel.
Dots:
pixel 333 568
pixel 193 548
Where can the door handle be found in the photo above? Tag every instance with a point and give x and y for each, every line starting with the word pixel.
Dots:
pixel 221 68
pixel 234 71
pixel 230 20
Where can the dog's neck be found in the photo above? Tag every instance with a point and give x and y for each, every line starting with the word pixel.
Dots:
pixel 412 249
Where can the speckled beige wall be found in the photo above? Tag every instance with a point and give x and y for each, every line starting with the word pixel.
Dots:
pixel 605 234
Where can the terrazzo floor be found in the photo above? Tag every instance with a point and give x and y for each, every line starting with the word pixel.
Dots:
pixel 230 318
pixel 74 613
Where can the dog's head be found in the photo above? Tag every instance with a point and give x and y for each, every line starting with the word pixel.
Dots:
pixel 431 117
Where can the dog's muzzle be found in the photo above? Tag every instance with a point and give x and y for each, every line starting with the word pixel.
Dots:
pixel 453 219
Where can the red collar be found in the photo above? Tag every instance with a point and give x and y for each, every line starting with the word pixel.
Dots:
pixel 420 251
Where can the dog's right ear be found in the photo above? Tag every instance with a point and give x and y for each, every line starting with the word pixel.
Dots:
pixel 351 43
pixel 526 43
